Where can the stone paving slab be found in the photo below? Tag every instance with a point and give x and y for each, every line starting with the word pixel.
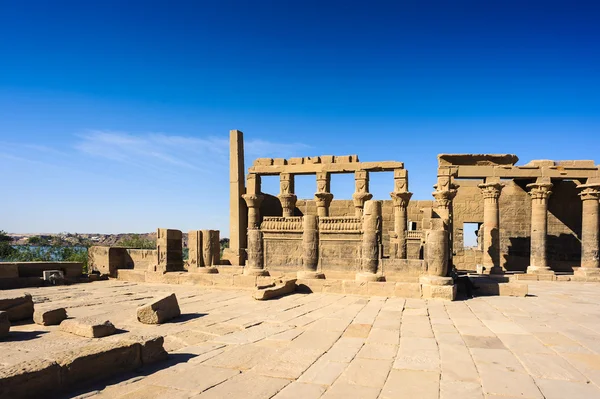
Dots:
pixel 226 345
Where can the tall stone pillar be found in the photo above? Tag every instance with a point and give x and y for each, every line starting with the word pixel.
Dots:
pixel 491 226
pixel 539 192
pixel 310 248
pixel 253 200
pixel 286 194
pixel 255 263
pixel 238 217
pixel 211 248
pixel 323 196
pixel 400 201
pixel 169 250
pixel 590 247
pixel 370 242
pixel 361 194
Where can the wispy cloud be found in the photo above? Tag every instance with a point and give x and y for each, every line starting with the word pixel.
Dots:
pixel 159 150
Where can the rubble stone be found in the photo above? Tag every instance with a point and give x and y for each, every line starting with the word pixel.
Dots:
pixel 19 307
pixel 49 317
pixel 88 327
pixel 159 311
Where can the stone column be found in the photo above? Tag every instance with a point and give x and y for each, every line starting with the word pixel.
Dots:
pixel 253 200
pixel 211 248
pixel 310 248
pixel 323 196
pixel 361 194
pixel 444 193
pixel 255 263
pixel 286 194
pixel 400 201
pixel 197 250
pixel 238 218
pixel 370 242
pixel 590 248
pixel 491 226
pixel 539 192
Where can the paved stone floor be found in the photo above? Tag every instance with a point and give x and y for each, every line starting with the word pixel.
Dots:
pixel 226 345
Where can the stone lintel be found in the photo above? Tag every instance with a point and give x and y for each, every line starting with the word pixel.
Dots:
pixel 477 159
pixel 314 168
pixel 525 172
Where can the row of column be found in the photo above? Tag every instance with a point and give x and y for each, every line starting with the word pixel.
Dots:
pixel 540 192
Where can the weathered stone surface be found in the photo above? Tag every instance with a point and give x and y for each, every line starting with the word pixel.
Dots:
pixel 98 361
pixel 152 349
pixel 159 311
pixel 30 379
pixel 49 317
pixel 4 324
pixel 18 307
pixel 283 287
pixel 89 327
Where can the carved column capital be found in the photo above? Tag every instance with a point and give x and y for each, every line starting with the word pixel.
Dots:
pixel 360 199
pixel 539 192
pixel 589 192
pixel 491 191
pixel 323 199
pixel 253 200
pixel 401 199
pixel 444 198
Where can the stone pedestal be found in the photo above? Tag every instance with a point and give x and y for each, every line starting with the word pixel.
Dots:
pixel 400 201
pixel 590 247
pixel 491 227
pixel 310 248
pixel 539 192
pixel 435 287
pixel 370 242
pixel 255 263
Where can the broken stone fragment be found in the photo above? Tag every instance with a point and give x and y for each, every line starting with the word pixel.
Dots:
pixel 88 327
pixel 4 324
pixel 159 311
pixel 275 290
pixel 152 349
pixel 49 317
pixel 18 307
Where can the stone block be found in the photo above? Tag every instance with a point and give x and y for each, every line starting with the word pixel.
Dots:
pixel 445 292
pixel 49 317
pixel 89 327
pixel 159 311
pixel 295 161
pixel 263 162
pixel 355 287
pixel 282 287
pixel 279 161
pixel 18 307
pixel 381 288
pixel 4 324
pixel 31 379
pixel 327 158
pixel 408 290
pixel 151 347
pixel 98 361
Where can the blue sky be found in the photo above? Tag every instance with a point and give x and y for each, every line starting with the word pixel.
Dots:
pixel 114 116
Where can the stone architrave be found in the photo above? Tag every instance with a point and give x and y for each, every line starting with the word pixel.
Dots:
pixel 255 263
pixel 310 248
pixel 491 226
pixel 286 194
pixel 400 201
pixel 361 193
pixel 253 199
pixel 323 197
pixel 370 242
pixel 539 192
pixel 590 248
pixel 169 249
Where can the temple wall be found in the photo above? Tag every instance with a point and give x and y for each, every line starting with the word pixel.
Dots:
pixel 564 225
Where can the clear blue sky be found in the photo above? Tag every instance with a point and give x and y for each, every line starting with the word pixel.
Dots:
pixel 114 115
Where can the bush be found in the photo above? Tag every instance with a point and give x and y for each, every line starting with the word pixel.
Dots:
pixel 6 249
pixel 135 241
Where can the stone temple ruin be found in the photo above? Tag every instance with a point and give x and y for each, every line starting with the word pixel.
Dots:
pixel 538 221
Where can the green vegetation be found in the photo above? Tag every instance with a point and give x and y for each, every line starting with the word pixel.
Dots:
pixel 224 244
pixel 135 241
pixel 45 249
